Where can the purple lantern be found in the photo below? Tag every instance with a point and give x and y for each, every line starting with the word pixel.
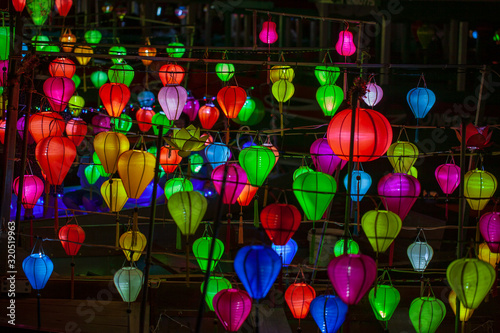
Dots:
pixel 324 158
pixel 58 91
pixel 191 108
pixel 448 177
pixel 172 99
pixel 20 129
pixel 232 306
pixel 399 192
pixel 352 275
pixel 236 181
pixel 4 68
pixel 101 123
pixel 489 225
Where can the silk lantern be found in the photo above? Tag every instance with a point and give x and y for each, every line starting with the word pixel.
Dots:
pixel 324 159
pixel 360 183
pixel 77 81
pixel 121 73
pixel 191 108
pixel 98 78
pixel 122 124
pixel 128 281
pixel 217 154
pixel 132 244
pixel 114 194
pixel 326 74
pixel 76 129
pixel 298 297
pixel 92 174
pixel 67 37
pixel 98 164
pixel 75 105
pixel 231 100
pixel 345 45
pixel 281 73
pixel 420 254
pixel 399 192
pixel 137 169
pixel 72 236
pixel 329 98
pixel 172 99
pixel 489 226
pixel 373 95
pixel 381 227
pixel 426 314
pixel 268 34
pixel 339 248
pixel 58 91
pixel 257 161
pixel 93 36
pixel 257 267
pixel 80 51
pixel 236 180
pixel 55 155
pixel 109 146
pixel 328 312
pixel 169 159
pixel 286 252
pixel 479 187
pixel 196 162
pixel 114 97
pixel 448 177
pixel 314 191
pixel 215 284
pixel 352 276
pixel 247 110
pixel 146 98
pixel 420 101
pixel 33 188
pixel 175 50
pixel 39 11
pixel 201 250
pixel 40 42
pixel 372 134
pixel 402 155
pixel 232 307
pixel 38 267
pixel 465 313
pixel 144 117
pixel 171 74
pixel 187 210
pixel 62 67
pixel 147 51
pixel 300 170
pixel 117 50
pixel 160 119
pixel 280 221
pixel 224 71
pixel 44 124
pixel 175 185
pixel 63 6
pixel 208 115
pixel 484 254
pixel 101 123
pixel 246 196
pixel 384 300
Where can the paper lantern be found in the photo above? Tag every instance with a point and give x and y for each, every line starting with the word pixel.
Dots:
pixel 114 194
pixel 215 284
pixel 175 50
pixel 247 195
pixel 5 40
pixel 479 187
pixel 160 119
pixel 62 67
pixel 314 191
pixel 399 192
pixel 75 105
pixel 122 124
pixel 92 174
pixel 117 50
pixel 146 98
pixel 373 95
pixel 93 36
pixel 121 73
pixel 191 108
pixel 55 155
pixel 45 124
pixel 172 100
pixel 169 159
pixel 420 101
pixel 114 97
pixel 257 161
pixel 77 81
pixel 381 227
pixel 33 188
pixel 171 74
pixel 329 313
pixel 68 39
pixel 58 91
pixel 63 6
pixel 98 78
pixel 187 139
pixel 224 71
pixel 420 254
pixel 281 73
pixel 345 45
pixel 187 210
pixel 324 159
pixel 208 115
pixel 426 314
pixel 257 267
pixel 3 126
pixel 425 33
pixel 136 169
pixel 128 281
pixel 76 129
pixel 286 252
pixel 326 74
pixel 201 250
pixel 80 51
pixel 280 221
pixel 39 11
pixel 268 34
pixel 217 154
pixel 232 307
pixel 38 267
pixel 109 146
pixel 384 300
pixel 283 90
pixel 402 155
pixel 98 164
pixel 175 185
pixel 132 244
pixel 196 163
pixel 465 313
pixel 231 100
pixel 40 42
pixel 300 170
pixel 486 255
pixel 298 297
pixel 147 51
pixel 329 98
pixel 236 180
pixel 471 279
pixel 352 275
pixel 489 226
pixel 144 117
pixel 72 237
pixel 352 247
pixel 19 5
pixel 101 123
pixel 448 177
pixel 20 129
pixel 360 183
pixel 247 109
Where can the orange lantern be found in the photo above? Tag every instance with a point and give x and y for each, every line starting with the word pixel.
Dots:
pixel 171 74
pixel 136 169
pixel 44 124
pixel 108 147
pixel 76 129
pixel 144 117
pixel 55 155
pixel 299 297
pixel 208 115
pixel 169 159
pixel 231 100
pixel 62 67
pixel 67 37
pixel 247 194
pixel 114 97
pixel 147 51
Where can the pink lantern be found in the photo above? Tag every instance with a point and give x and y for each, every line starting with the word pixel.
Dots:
pixel 324 158
pixel 232 307
pixel 58 91
pixel 352 275
pixel 489 226
pixel 236 179
pixel 4 68
pixel 448 177
pixel 76 129
pixel 268 34
pixel 399 192
pixel 32 190
pixel 101 123
pixel 20 129
pixel 345 45
pixel 191 108
pixel 172 100
pixel 373 95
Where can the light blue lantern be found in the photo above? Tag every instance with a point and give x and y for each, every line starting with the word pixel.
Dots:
pixel 420 101
pixel 328 312
pixel 360 183
pixel 217 154
pixel 38 267
pixel 146 98
pixel 286 252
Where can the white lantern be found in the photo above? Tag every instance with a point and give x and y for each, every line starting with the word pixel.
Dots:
pixel 128 282
pixel 374 94
pixel 420 254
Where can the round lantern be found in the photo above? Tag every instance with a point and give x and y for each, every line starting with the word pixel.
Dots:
pixel 345 45
pixel 114 194
pixel 144 117
pixel 75 105
pixel 329 98
pixel 38 267
pixel 246 196
pixel 169 159
pixel 314 191
pixel 381 228
pixel 55 155
pixel 187 210
pixel 247 110
pixel 224 71
pixel 137 169
pixel 360 183
pixel 232 307
pixel 479 187
pixel 373 95
pixel 283 90
pixel 33 188
pixel 448 177
pixel 301 170
pixel 257 267
pixel 76 129
pixel 399 192
pixel 80 51
pixel 114 97
pixel 147 51
pixel 471 279
pixel 160 119
pixel 329 313
pixel 236 180
pixel 191 108
pixel 122 124
pixel 172 100
pixel 402 155
pixel 68 39
pixel 132 244
pixel 324 158
pixel 489 226
pixel 201 250
pixel 58 91
pixel 286 252
pixel 280 221
pixel 465 313
pixel 72 237
pixel 171 74
pixel 298 297
pixel 196 162
pixel 231 100
pixel 215 284
pixel 372 134
pixel 217 154
pixel 257 161
pixel 486 255
pixel 93 36
pixel 146 98
pixel 281 73
pixel 175 185
pixel 45 124
pixel 128 281
pixel 426 314
pixel 268 34
pixel 326 74
pixel 352 247
pixel 420 101
pixel 175 50
pixel 98 78
pixel 109 146
pixel 121 73
pixel 39 42
pixel 117 50
pixel 384 301
pixel 62 67
pixel 92 174
pixel 420 254
pixel 352 276
pixel 208 115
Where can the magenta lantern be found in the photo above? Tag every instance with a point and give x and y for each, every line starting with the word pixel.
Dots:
pixel 232 307
pixel 58 91
pixel 489 225
pixel 172 99
pixel 345 45
pixel 236 180
pixel 191 108
pixel 352 275
pixel 448 177
pixel 268 34
pixel 399 192
pixel 32 190
pixel 324 158
pixel 101 123
pixel 20 129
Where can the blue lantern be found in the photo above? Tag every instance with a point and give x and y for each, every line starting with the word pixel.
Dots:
pixel 38 267
pixel 146 98
pixel 420 101
pixel 286 252
pixel 360 183
pixel 217 154
pixel 257 266
pixel 328 312
pixel 248 144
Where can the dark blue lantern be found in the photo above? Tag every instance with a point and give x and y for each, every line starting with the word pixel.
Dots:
pixel 286 252
pixel 360 183
pixel 146 98
pixel 38 267
pixel 328 312
pixel 257 266
pixel 420 101
pixel 217 154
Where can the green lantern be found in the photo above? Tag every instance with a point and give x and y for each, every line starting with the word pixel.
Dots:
pixel 75 105
pixel 471 279
pixel 301 170
pixel 402 155
pixel 257 161
pixel 40 42
pixel 187 210
pixel 93 36
pixel 426 314
pixel 329 98
pixel 52 48
pixel 118 50
pixel 256 116
pixel 224 71
pixel 39 10
pixel 122 124
pixel 4 42
pixel 175 50
pixel 196 162
pixel 160 119
pixel 381 228
pixel 314 191
pixel 327 74
pixel 352 247
pixel 247 109
pixel 99 166
pixel 479 187
pixel 76 79
pixel 92 174
pixel 98 78
pixel 121 73
pixel 384 300
pixel 175 185
pixel 215 284
pixel 201 250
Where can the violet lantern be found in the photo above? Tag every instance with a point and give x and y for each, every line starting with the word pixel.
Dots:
pixel 489 226
pixel 172 99
pixel 399 192
pixel 324 158
pixel 191 108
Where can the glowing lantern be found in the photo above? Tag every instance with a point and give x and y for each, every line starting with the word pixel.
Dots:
pixel 275 151
pixel 114 97
pixel 217 154
pixel 19 5
pixel 109 146
pixel 160 119
pixel 300 170
pixel 471 279
pixel 486 255
pixel 381 228
pixel 101 123
pixel 224 71
pixel 247 109
pixel 420 101
pixel 268 34
pixel 476 137
pixel 147 51
pixel 281 73
pixel 283 90
pixel 257 161
pixel 236 180
pixel 448 177
pixel 426 314
pixel 324 158
pixel 33 188
pixel 402 155
pixel 489 226
pixel 186 140
pixel 55 155
pixel 352 276
pixel 420 254
pixel 5 40
pixel 39 11
pixel 187 210
pixel 246 196
pixel 425 33
pixel 191 108
pixel 479 188
pixel 169 159
pixel 20 129
pixel 137 170
pixel 80 50
pixel 345 45
pixel 77 81
pixel 280 221
pixel 132 244
pixel 62 67
pixel 117 50
pixel 3 126
pixel 352 247
pixel 122 124
pixel 175 185
pixel 329 313
pixel 93 36
pixel 360 183
pixel 72 237
pixel 232 307
pixel 286 252
pixel 298 297
pixel 58 90
pixel 92 174
pixel 98 78
pixel 314 191
pixel 208 115
pixel 40 42
pixel 128 281
pixel 231 99
pixel 38 267
pixel 257 267
pixel 201 250
pixel 146 98
pixel 67 37
pixel 196 163
pixel 326 74
pixel 399 192
pixel 144 117
pixel 215 284
pixel 63 6
pixel 373 95
pixel 175 50
pixel 172 100
pixel 465 313
pixel 114 194
pixel 171 74
pixel 45 124
pixel 121 73
pixel 75 105
pixel 76 130
pixel 329 98
pixel 384 301
pixel 98 165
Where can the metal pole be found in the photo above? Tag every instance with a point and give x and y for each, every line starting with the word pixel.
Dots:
pixel 350 164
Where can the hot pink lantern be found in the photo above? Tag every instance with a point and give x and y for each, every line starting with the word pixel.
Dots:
pixel 232 307
pixel 324 158
pixel 32 190
pixel 76 129
pixel 236 180
pixel 58 91
pixel 191 108
pixel 268 33
pixel 101 123
pixel 448 177
pixel 172 100
pixel 345 45
pixel 352 275
pixel 20 129
pixel 399 192
pixel 489 225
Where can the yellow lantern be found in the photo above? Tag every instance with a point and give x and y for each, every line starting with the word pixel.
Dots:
pixel 485 254
pixel 136 169
pixel 108 147
pixel 114 194
pixel 465 313
pixel 83 49
pixel 281 73
pixel 479 188
pixel 133 243
pixel 381 227
pixel 402 155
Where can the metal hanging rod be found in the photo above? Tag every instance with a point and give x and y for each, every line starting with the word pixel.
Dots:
pixel 320 18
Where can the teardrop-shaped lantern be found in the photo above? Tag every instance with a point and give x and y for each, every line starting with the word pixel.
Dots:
pixel 44 124
pixel 172 99
pixel 108 147
pixel 420 254
pixel 187 210
pixel 72 236
pixel 75 105
pixel 63 6
pixel 201 250
pixel 19 5
pixel 33 188
pixel 231 100
pixel 352 247
pixel 215 284
pixel 114 97
pixel 402 155
pixel 132 244
pixel 169 159
pixel 283 90
pixel 384 300
pixel 39 11
pixel 326 74
pixel 479 187
pixel 286 252
pixel 76 129
pixel 55 155
pixel 208 115
pixel 399 192
pixel 160 119
pixel 489 226
pixel 38 267
pixel 58 91
pixel 114 194
pixel 268 34
pixel 92 174
pixel 257 161
pixel 345 45
pixel 381 228
pixel 280 221
pixel 465 313
pixel 98 78
pixel 224 71
pixel 360 183
pixel 236 180
pixel 329 98
pixel 247 195
pixel 420 101
pixel 121 73
pixel 196 162
pixel 298 297
pixel 373 95
pixel 247 110
pixel 62 67
pixel 232 307
pixel 175 185
pixel 128 281
pixel 484 254
pixel 137 170
pixel 144 117
pixel 171 74
pixel 217 154
pixel 426 314
pixel 448 177
pixel 329 313
pixel 314 191
pixel 324 158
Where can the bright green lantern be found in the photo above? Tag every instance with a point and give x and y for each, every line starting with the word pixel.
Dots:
pixel 381 227
pixel 121 73
pixel 160 119
pixel 52 48
pixel 92 174
pixel 257 161
pixel 118 50
pixel 93 36
pixel 98 78
pixel 40 42
pixel 352 247
pixel 201 250
pixel 187 210
pixel 283 90
pixel 175 185
pixel 75 105
pixel 4 42
pixel 175 50
pixel 327 74
pixel 247 109
pixel 301 170
pixel 256 116
pixel 123 124
pixel 426 314
pixel 215 284
pixel 224 71
pixel 196 162
pixel 479 187
pixel 99 166
pixel 471 279
pixel 39 10
pixel 76 79
pixel 314 191
pixel 384 300
pixel 329 98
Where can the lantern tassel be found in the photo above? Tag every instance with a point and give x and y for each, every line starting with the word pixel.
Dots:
pixel 281 117
pixel 178 241
pixel 240 229
pixel 256 214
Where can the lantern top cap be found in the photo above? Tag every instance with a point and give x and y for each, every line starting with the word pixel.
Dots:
pixel 128 268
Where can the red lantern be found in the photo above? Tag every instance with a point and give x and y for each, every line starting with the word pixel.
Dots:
pixel 19 5
pixel 63 6
pixel 58 91
pixel 169 159
pixel 231 100
pixel 45 124
pixel 62 67
pixel 171 74
pixel 3 126
pixel 32 190
pixel 372 135
pixel 55 155
pixel 114 97
pixel 144 117
pixel 76 130
pixel 71 236
pixel 208 115
pixel 299 297
pixel 280 221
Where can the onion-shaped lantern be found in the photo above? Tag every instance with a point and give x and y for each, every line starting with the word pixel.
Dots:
pixel 132 244
pixel 232 307
pixel 117 50
pixel 479 187
pixel 373 95
pixel 448 177
pixel 172 99
pixel 38 267
pixel 301 170
pixel 384 300
pixel 137 170
pixel 329 98
pixel 98 78
pixel 399 192
pixel 231 100
pixel 44 124
pixel 58 91
pixel 381 228
pixel 402 155
pixel 187 210
pixel 257 161
pixel 298 297
pixel 420 101
pixel 144 117
pixel 314 191
pixel 324 158
pixel 92 174
pixel 175 50
pixel 286 252
pixel 169 159
pixel 426 314
pixel 108 147
pixel 147 51
pixel 360 183
pixel 329 313
pixel 208 115
pixel 128 281
pixel 246 196
pixel 224 71
pixel 175 185
pixel 201 250
pixel 236 180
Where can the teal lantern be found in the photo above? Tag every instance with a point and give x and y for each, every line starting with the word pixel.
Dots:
pixel 196 162
pixel 314 191
pixel 93 36
pixel 426 314
pixel 224 71
pixel 352 247
pixel 92 174
pixel 201 250
pixel 122 124
pixel 326 74
pixel 329 98
pixel 215 284
pixel 121 73
pixel 384 300
pixel 98 78
pixel 175 50
pixel 175 185
pixel 257 161
pixel 160 119
pixel 118 50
